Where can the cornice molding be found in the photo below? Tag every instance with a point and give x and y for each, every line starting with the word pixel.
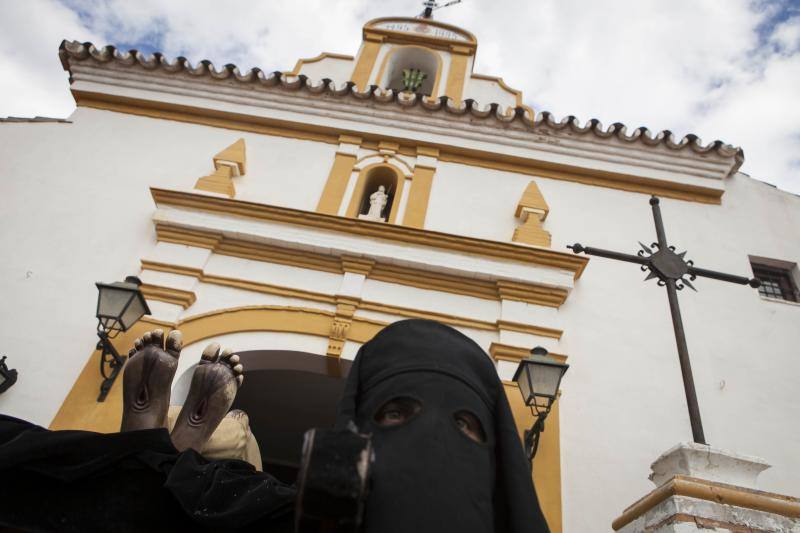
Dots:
pixel 169 295
pixel 359 305
pixel 366 228
pixel 684 169
pixel 379 271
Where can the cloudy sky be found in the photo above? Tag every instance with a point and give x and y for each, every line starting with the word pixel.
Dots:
pixel 723 69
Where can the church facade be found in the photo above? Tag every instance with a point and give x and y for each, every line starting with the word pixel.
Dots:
pixel 293 215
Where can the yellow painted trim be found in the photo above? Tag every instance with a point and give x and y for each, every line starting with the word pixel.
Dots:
pixel 456 77
pixel 81 410
pixel 357 265
pixel 267 288
pixel 364 266
pixel 597 178
pixel 513 354
pixel 173 269
pixel 532 198
pixel 444 318
pixel 336 185
pixel 714 492
pixel 220 181
pixel 207 117
pixel 352 226
pixel 435 90
pixel 267 126
pixel 418 196
pixel 361 184
pixel 525 292
pixel 365 63
pixel 168 294
pixel 379 271
pixel 529 329
pixel 324 55
pixel 531 232
pixel 386 158
pixel 235 153
pixel 503 85
pixel 402 37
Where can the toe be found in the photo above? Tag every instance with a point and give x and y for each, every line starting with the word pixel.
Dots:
pixel 138 344
pixel 238 369
pixel 174 342
pixel 211 353
pixel 132 352
pixel 240 379
pixel 158 337
pixel 233 359
pixel 225 354
pixel 147 338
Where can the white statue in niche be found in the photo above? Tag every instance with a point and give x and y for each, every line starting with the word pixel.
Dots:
pixel 377 203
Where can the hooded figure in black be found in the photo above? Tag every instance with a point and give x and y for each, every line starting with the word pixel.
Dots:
pixel 448 455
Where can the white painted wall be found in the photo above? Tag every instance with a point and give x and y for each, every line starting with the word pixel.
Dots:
pixel 337 69
pixel 487 92
pixel 475 201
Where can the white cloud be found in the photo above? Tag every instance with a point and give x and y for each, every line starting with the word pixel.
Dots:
pixel 713 68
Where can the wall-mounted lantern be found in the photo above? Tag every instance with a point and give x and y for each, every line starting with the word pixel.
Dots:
pixel 119 306
pixel 538 377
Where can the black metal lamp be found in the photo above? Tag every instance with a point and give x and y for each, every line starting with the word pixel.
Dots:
pixel 119 306
pixel 538 377
pixel 8 376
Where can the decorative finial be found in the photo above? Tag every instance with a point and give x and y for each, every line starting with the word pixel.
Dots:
pixel 433 5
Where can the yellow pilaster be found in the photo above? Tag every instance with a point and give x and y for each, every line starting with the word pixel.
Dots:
pixel 366 60
pixel 420 192
pixel 458 73
pixel 333 193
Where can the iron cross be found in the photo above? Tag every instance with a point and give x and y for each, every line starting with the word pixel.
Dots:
pixel 672 270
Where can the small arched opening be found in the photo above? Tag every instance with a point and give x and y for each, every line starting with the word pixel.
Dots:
pixel 378 177
pixel 377 193
pixel 422 70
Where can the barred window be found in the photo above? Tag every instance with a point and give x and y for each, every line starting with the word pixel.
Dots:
pixel 777 279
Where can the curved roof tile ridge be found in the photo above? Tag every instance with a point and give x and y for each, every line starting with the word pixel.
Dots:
pixel 542 120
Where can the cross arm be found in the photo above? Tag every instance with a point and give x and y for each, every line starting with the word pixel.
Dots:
pixel 588 250
pixel 713 274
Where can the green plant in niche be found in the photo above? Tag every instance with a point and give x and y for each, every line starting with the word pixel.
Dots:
pixel 412 79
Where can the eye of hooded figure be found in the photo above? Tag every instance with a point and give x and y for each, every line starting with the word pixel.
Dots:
pixel 397 411
pixel 470 425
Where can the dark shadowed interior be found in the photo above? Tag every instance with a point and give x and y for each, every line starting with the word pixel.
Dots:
pixel 284 394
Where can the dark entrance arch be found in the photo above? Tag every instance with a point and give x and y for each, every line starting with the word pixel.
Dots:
pixel 284 394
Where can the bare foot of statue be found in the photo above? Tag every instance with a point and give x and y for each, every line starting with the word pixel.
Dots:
pixel 147 380
pixel 214 385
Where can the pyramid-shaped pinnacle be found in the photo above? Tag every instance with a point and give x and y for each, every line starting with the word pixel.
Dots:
pixel 233 155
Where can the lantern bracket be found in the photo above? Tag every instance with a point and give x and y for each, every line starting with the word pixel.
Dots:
pixel 111 362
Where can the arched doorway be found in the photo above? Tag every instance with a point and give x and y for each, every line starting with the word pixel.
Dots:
pixel 284 394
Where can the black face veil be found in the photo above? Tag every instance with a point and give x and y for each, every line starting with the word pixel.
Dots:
pixel 428 475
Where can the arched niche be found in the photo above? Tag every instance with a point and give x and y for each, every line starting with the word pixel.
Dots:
pixel 369 179
pixel 414 57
